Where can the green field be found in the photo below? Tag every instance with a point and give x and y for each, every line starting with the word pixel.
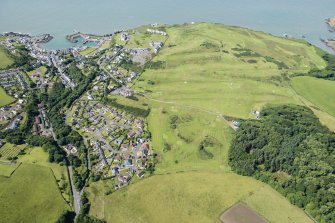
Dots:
pixel 30 195
pixel 37 156
pixel 5 98
pixel 192 197
pixel 205 75
pixel 88 51
pixel 320 92
pixel 5 60
pixel 7 168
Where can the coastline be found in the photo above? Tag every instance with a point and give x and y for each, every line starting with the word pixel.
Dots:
pixel 331 24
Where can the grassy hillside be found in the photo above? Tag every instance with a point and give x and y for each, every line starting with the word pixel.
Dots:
pixel 206 72
pixel 192 197
pixel 318 91
pixel 5 60
pixel 30 195
pixel 7 168
pixel 5 98
pixel 38 156
pixel 205 75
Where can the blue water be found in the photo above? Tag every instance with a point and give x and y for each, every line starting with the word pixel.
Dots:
pixel 62 17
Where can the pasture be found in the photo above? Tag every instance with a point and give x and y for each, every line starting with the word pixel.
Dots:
pixel 30 195
pixel 190 197
pixel 203 75
pixel 206 72
pixel 317 91
pixel 39 157
pixel 7 168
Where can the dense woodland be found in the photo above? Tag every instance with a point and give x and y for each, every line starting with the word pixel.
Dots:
pixel 290 150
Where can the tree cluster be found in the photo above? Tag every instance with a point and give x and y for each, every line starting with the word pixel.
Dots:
pixel 328 72
pixel 290 150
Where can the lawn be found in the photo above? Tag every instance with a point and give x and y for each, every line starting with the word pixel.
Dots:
pixel 5 60
pixel 88 51
pixel 5 98
pixel 318 91
pixel 30 195
pixel 191 197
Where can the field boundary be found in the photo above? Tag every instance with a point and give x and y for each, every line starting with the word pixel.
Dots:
pixel 54 176
pixel 6 163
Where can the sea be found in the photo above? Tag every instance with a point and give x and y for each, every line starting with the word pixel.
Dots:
pixel 297 18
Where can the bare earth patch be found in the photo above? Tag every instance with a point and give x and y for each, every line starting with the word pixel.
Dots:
pixel 240 213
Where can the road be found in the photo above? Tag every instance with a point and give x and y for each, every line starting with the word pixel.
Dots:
pixel 75 193
pixel 64 77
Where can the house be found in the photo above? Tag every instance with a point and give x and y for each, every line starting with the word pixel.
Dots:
pixel 37 120
pixel 40 105
pixel 124 179
pixel 118 141
pixel 128 162
pixel 35 129
pixel 115 171
pixel 131 134
pixel 140 175
pixel 236 124
pixel 124 36
pixel 124 146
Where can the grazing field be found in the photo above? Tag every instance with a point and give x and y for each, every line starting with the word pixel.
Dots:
pixel 318 91
pixel 203 76
pixel 206 72
pixel 7 168
pixel 30 195
pixel 39 157
pixel 189 197
pixel 9 151
pixel 5 98
pixel 5 60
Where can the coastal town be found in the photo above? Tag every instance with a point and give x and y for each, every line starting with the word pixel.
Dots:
pixel 117 141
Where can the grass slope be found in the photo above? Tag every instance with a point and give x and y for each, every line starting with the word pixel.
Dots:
pixel 5 98
pixel 206 72
pixel 7 168
pixel 5 60
pixel 30 195
pixel 193 197
pixel 39 157
pixel 318 91
pixel 200 74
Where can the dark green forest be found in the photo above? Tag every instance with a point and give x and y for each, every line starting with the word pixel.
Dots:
pixel 290 150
